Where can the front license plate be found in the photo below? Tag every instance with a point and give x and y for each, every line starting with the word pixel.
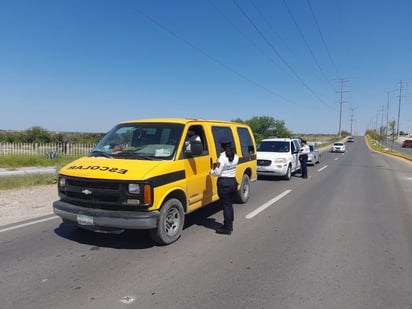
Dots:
pixel 85 220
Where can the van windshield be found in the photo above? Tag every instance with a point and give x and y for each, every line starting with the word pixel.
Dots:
pixel 273 146
pixel 147 141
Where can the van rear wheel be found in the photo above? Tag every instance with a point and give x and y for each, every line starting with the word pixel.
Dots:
pixel 242 196
pixel 171 221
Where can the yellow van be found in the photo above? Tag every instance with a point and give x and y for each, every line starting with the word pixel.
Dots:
pixel 147 174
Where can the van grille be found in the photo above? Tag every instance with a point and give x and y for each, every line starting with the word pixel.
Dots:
pixel 98 194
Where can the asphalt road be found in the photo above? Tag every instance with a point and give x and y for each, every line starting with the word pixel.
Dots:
pixel 340 239
pixel 397 146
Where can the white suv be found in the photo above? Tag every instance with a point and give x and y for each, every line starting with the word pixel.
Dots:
pixel 278 157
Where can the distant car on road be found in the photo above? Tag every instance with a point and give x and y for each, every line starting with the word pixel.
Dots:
pixel 314 155
pixel 338 147
pixel 351 139
pixel 407 143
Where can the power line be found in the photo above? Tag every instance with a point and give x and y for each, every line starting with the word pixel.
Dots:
pixel 276 52
pixel 138 11
pixel 247 39
pixel 307 46
pixel 273 31
pixel 322 37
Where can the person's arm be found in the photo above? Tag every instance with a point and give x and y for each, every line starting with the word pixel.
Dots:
pixel 217 171
pixel 305 149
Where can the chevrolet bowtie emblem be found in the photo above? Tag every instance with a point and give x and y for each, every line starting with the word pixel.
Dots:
pixel 87 192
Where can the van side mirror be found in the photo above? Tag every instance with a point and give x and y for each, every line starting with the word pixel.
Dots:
pixel 197 148
pixel 193 148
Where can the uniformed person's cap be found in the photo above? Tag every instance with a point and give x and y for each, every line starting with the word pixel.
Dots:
pixel 224 140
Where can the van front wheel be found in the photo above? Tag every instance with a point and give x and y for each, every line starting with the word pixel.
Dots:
pixel 170 223
pixel 242 196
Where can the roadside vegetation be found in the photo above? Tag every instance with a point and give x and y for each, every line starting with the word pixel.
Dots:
pixel 38 135
pixel 14 162
pixel 376 145
pixel 26 181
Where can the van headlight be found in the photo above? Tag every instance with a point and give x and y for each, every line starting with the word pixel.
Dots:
pixel 280 160
pixel 134 188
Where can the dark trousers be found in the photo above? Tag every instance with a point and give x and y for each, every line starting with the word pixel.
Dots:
pixel 303 165
pixel 226 189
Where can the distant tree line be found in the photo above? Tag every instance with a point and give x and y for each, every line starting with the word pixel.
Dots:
pixel 41 135
pixel 262 127
pixel 383 133
pixel 265 127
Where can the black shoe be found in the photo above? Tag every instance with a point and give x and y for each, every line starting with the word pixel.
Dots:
pixel 224 231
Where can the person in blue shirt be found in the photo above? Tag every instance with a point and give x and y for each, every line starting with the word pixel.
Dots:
pixel 225 170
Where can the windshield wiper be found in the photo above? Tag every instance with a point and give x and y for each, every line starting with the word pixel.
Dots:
pixel 99 153
pixel 133 155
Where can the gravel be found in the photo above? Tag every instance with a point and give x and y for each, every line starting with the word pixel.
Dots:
pixel 23 204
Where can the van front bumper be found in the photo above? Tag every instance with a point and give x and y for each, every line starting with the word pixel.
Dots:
pixel 90 218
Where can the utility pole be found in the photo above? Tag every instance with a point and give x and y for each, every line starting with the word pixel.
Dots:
pixel 399 108
pixel 351 122
pixel 342 81
pixel 387 121
pixel 382 128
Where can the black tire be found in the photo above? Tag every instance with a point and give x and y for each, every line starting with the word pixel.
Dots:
pixel 171 221
pixel 242 196
pixel 288 174
pixel 318 159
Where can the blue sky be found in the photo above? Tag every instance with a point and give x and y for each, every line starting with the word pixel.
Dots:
pixel 84 65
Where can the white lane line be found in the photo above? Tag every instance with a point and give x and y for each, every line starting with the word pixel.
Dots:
pixel 336 159
pixel 15 227
pixel 321 169
pixel 267 204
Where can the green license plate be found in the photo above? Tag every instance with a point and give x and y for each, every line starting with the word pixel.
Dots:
pixel 85 219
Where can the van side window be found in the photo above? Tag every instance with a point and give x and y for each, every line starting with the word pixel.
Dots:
pixel 246 142
pixel 196 131
pixel 218 133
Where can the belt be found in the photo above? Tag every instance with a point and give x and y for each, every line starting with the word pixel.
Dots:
pixel 226 178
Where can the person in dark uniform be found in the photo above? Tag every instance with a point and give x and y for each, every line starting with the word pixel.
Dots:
pixel 303 158
pixel 225 170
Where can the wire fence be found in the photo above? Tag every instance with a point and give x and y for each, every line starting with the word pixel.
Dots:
pixel 50 150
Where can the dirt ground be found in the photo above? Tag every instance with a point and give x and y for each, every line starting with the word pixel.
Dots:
pixel 23 204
